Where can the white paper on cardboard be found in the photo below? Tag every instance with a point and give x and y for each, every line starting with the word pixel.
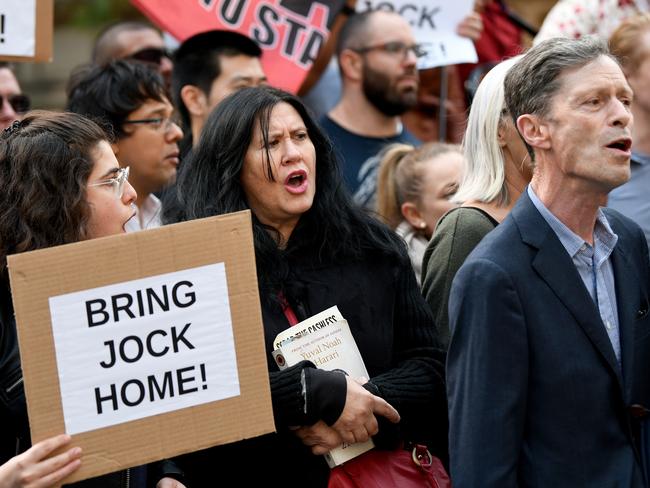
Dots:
pixel 144 347
pixel 17 27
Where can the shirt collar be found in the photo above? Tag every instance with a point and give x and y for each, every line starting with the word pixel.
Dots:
pixel 604 236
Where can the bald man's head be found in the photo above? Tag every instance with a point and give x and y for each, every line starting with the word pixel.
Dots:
pixel 132 40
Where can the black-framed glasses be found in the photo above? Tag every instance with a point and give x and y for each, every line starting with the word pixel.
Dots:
pixel 395 48
pixel 151 55
pixel 155 122
pixel 117 182
pixel 19 102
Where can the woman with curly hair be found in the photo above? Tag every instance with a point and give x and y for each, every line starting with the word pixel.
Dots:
pixel 61 183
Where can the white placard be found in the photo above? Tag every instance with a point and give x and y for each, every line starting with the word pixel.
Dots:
pixel 144 347
pixel 434 25
pixel 17 27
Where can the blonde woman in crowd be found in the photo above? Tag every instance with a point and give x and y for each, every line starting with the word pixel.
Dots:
pixel 496 172
pixel 414 190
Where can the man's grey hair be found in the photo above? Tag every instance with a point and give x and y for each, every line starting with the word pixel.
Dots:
pixel 533 81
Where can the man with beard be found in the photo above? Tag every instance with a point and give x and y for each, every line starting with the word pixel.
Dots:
pixel 377 56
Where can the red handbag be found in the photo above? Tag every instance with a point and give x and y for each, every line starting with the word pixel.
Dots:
pixel 399 468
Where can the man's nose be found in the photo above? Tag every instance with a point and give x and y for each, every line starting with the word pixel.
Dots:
pixel 6 110
pixel 622 115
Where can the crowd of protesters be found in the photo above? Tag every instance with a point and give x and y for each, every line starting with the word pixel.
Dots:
pixel 498 290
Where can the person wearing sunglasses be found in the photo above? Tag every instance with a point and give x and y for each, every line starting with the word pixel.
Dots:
pixel 133 101
pixel 13 102
pixel 133 40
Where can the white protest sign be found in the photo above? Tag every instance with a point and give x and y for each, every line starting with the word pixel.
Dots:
pixel 434 25
pixel 144 347
pixel 17 27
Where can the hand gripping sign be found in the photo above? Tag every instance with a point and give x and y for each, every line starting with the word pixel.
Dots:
pixel 125 339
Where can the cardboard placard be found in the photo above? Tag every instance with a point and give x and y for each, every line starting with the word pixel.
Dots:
pixel 289 32
pixel 146 345
pixel 26 30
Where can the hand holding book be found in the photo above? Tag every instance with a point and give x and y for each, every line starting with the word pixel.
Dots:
pixel 357 422
pixel 326 340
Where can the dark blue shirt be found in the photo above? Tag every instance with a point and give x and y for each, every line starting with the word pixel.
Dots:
pixel 358 158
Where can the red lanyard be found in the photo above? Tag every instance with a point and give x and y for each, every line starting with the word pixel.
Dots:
pixel 288 311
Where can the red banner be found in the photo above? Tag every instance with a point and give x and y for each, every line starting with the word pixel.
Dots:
pixel 290 32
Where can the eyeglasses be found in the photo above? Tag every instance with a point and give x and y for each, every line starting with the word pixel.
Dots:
pixel 121 177
pixel 151 55
pixel 155 122
pixel 19 102
pixel 395 48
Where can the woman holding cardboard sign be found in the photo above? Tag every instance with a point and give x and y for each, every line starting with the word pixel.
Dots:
pixel 61 183
pixel 261 150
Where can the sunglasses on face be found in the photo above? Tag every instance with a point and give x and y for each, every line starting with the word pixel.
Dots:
pixel 151 55
pixel 19 102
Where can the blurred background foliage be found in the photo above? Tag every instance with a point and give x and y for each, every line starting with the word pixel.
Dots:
pixel 94 13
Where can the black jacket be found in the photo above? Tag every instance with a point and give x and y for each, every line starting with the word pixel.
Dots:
pixel 393 329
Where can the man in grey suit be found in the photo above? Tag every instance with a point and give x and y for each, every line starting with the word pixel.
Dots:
pixel 550 350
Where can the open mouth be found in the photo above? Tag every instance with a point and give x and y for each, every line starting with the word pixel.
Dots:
pixel 296 179
pixel 623 144
pixel 296 182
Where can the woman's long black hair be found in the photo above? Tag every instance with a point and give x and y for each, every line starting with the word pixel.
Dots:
pixel 209 183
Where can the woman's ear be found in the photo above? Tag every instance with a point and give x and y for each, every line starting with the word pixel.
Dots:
pixel 501 134
pixel 412 215
pixel 534 130
pixel 195 100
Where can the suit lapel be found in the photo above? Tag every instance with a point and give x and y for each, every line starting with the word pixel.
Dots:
pixel 555 267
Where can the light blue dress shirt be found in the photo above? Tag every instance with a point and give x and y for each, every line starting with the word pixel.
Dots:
pixel 593 264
